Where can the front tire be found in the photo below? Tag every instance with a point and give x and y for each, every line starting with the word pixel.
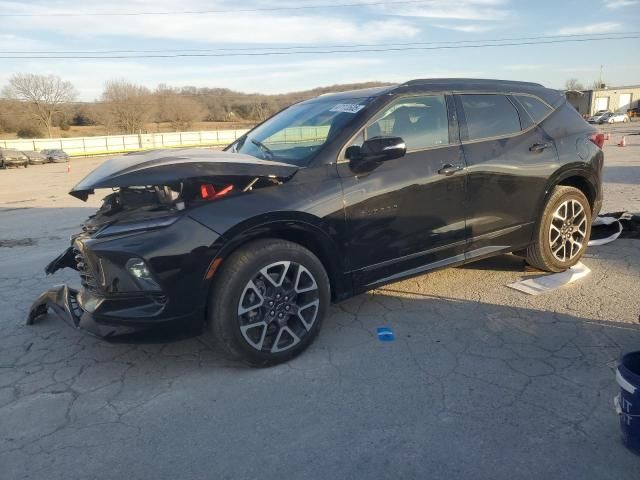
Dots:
pixel 267 302
pixel 563 231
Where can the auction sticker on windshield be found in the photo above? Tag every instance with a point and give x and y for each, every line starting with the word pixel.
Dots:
pixel 347 108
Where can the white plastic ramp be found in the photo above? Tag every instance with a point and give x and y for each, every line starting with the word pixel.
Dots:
pixel 547 283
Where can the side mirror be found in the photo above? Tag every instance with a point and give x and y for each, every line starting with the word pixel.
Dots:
pixel 375 151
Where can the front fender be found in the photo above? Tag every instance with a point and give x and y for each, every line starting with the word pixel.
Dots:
pixel 311 232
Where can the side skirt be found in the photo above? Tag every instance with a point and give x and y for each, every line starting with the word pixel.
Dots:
pixel 456 260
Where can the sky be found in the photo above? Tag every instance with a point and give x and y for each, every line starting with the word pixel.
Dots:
pixel 233 28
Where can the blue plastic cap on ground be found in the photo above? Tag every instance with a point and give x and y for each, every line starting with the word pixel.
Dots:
pixel 385 334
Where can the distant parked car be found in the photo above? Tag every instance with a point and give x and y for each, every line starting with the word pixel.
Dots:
pixel 604 118
pixel 10 157
pixel 56 155
pixel 615 118
pixel 596 117
pixel 35 158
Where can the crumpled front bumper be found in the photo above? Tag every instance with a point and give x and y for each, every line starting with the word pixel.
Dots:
pixel 63 300
pixel 111 302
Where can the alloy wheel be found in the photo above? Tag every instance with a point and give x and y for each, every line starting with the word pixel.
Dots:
pixel 568 230
pixel 278 307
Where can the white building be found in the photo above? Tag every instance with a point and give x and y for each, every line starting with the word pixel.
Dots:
pixel 615 99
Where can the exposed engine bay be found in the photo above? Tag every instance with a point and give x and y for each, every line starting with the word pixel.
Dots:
pixel 134 204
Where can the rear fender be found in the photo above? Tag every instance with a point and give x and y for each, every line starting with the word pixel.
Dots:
pixel 571 170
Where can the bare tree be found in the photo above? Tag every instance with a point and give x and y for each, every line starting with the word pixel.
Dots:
pixel 573 84
pixel 126 105
pixel 100 114
pixel 181 111
pixel 46 95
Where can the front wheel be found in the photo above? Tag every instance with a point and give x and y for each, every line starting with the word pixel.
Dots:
pixel 563 231
pixel 267 302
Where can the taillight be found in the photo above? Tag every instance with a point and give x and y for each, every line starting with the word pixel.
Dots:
pixel 598 139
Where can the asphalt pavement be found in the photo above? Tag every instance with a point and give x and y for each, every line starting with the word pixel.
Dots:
pixel 481 382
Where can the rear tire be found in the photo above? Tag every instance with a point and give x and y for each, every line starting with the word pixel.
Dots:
pixel 267 302
pixel 563 231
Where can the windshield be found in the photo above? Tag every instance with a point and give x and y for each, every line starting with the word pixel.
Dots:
pixel 295 134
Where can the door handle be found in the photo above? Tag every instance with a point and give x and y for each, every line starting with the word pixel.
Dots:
pixel 539 147
pixel 449 169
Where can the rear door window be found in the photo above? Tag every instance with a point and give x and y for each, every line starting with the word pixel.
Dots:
pixel 489 115
pixel 536 108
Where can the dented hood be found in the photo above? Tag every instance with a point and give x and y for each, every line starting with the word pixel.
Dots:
pixel 160 167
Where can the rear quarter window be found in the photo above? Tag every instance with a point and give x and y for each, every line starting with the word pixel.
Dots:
pixel 536 108
pixel 489 115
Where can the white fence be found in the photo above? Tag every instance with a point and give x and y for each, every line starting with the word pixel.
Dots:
pixel 299 135
pixel 84 146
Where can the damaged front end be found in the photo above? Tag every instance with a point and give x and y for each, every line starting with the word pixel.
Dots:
pixel 141 257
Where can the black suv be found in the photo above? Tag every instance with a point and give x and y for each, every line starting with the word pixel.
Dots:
pixel 327 199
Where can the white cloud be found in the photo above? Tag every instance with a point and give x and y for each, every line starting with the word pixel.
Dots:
pixel 282 27
pixel 474 10
pixel 528 67
pixel 525 67
pixel 468 28
pixel 620 3
pixel 602 27
pixel 11 42
pixel 566 69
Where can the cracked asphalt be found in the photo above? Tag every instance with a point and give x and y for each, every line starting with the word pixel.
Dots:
pixel 482 382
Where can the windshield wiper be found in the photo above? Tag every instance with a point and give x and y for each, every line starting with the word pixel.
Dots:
pixel 263 147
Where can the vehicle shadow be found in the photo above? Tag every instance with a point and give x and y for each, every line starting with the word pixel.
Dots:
pixel 413 314
pixel 502 263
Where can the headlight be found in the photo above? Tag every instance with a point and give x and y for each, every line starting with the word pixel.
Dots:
pixel 140 272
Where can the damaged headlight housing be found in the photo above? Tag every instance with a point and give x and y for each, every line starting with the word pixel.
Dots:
pixel 139 270
pixel 121 228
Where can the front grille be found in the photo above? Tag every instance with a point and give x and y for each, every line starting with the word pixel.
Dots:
pixel 87 279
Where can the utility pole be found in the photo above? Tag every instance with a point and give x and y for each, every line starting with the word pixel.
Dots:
pixel 600 79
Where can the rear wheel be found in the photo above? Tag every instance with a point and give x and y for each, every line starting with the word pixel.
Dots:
pixel 563 231
pixel 268 302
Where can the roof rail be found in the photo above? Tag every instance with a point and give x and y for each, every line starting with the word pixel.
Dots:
pixel 476 81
